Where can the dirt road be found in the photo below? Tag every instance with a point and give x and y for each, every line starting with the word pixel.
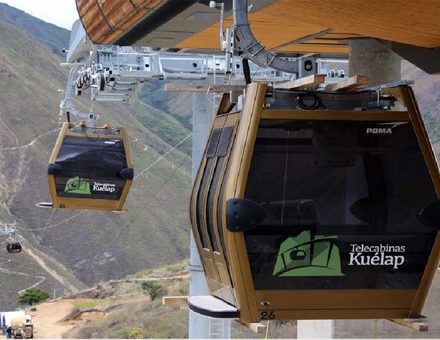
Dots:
pixel 50 271
pixel 47 318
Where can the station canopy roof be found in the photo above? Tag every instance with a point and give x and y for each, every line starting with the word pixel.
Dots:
pixel 287 26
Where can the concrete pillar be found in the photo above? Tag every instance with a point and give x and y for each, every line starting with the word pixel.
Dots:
pixel 202 121
pixel 200 326
pixel 315 329
pixel 368 57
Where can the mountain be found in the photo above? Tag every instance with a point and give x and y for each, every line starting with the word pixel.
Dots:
pixel 426 88
pixel 56 38
pixel 178 105
pixel 84 246
pixel 126 309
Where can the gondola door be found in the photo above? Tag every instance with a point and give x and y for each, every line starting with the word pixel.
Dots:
pixel 207 206
pixel 235 186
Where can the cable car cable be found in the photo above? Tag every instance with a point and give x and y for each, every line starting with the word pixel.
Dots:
pixel 161 157
pixel 267 329
pixel 56 224
pixel 48 221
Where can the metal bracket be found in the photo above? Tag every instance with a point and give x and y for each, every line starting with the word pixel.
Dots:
pixel 390 85
pixel 424 58
pixel 243 214
pixel 44 205
pixel 67 106
pixel 419 324
pixel 9 230
pixel 251 47
pixel 212 307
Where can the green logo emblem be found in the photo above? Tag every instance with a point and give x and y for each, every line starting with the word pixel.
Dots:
pixel 304 256
pixel 76 185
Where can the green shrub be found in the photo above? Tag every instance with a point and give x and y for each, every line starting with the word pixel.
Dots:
pixel 83 305
pixel 132 333
pixel 32 296
pixel 154 289
pixel 184 288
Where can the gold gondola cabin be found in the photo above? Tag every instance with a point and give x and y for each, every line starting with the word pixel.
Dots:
pixel 309 205
pixel 90 168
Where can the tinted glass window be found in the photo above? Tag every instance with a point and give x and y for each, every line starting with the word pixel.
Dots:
pixel 97 157
pixel 201 223
pixel 216 151
pixel 340 200
pixel 90 168
pixel 225 139
pixel 210 208
pixel 213 142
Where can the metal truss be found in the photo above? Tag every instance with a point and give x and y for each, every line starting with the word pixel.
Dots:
pixel 114 73
pixel 8 230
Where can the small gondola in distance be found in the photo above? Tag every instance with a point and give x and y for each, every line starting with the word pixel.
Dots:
pixel 90 168
pixel 13 247
pixel 308 204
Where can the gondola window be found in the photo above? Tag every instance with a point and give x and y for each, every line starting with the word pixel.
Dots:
pixel 337 205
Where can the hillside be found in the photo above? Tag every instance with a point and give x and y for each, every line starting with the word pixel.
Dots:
pixel 427 89
pixel 123 309
pixel 176 104
pixel 56 38
pixel 90 245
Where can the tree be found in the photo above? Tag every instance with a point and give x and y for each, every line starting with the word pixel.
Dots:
pixel 154 289
pixel 32 296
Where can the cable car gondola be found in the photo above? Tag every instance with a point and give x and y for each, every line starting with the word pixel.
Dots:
pixel 307 205
pixel 13 247
pixel 90 168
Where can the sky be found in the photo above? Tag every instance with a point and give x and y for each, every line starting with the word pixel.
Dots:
pixel 58 12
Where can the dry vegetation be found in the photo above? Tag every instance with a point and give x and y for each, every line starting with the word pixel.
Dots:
pixel 131 313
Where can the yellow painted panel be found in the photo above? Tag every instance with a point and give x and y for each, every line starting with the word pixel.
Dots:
pixel 415 22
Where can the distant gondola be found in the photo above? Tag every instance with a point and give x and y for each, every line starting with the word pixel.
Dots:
pixel 306 206
pixel 13 247
pixel 90 168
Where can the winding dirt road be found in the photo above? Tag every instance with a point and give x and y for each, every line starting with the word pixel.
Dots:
pixel 47 318
pixel 50 271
